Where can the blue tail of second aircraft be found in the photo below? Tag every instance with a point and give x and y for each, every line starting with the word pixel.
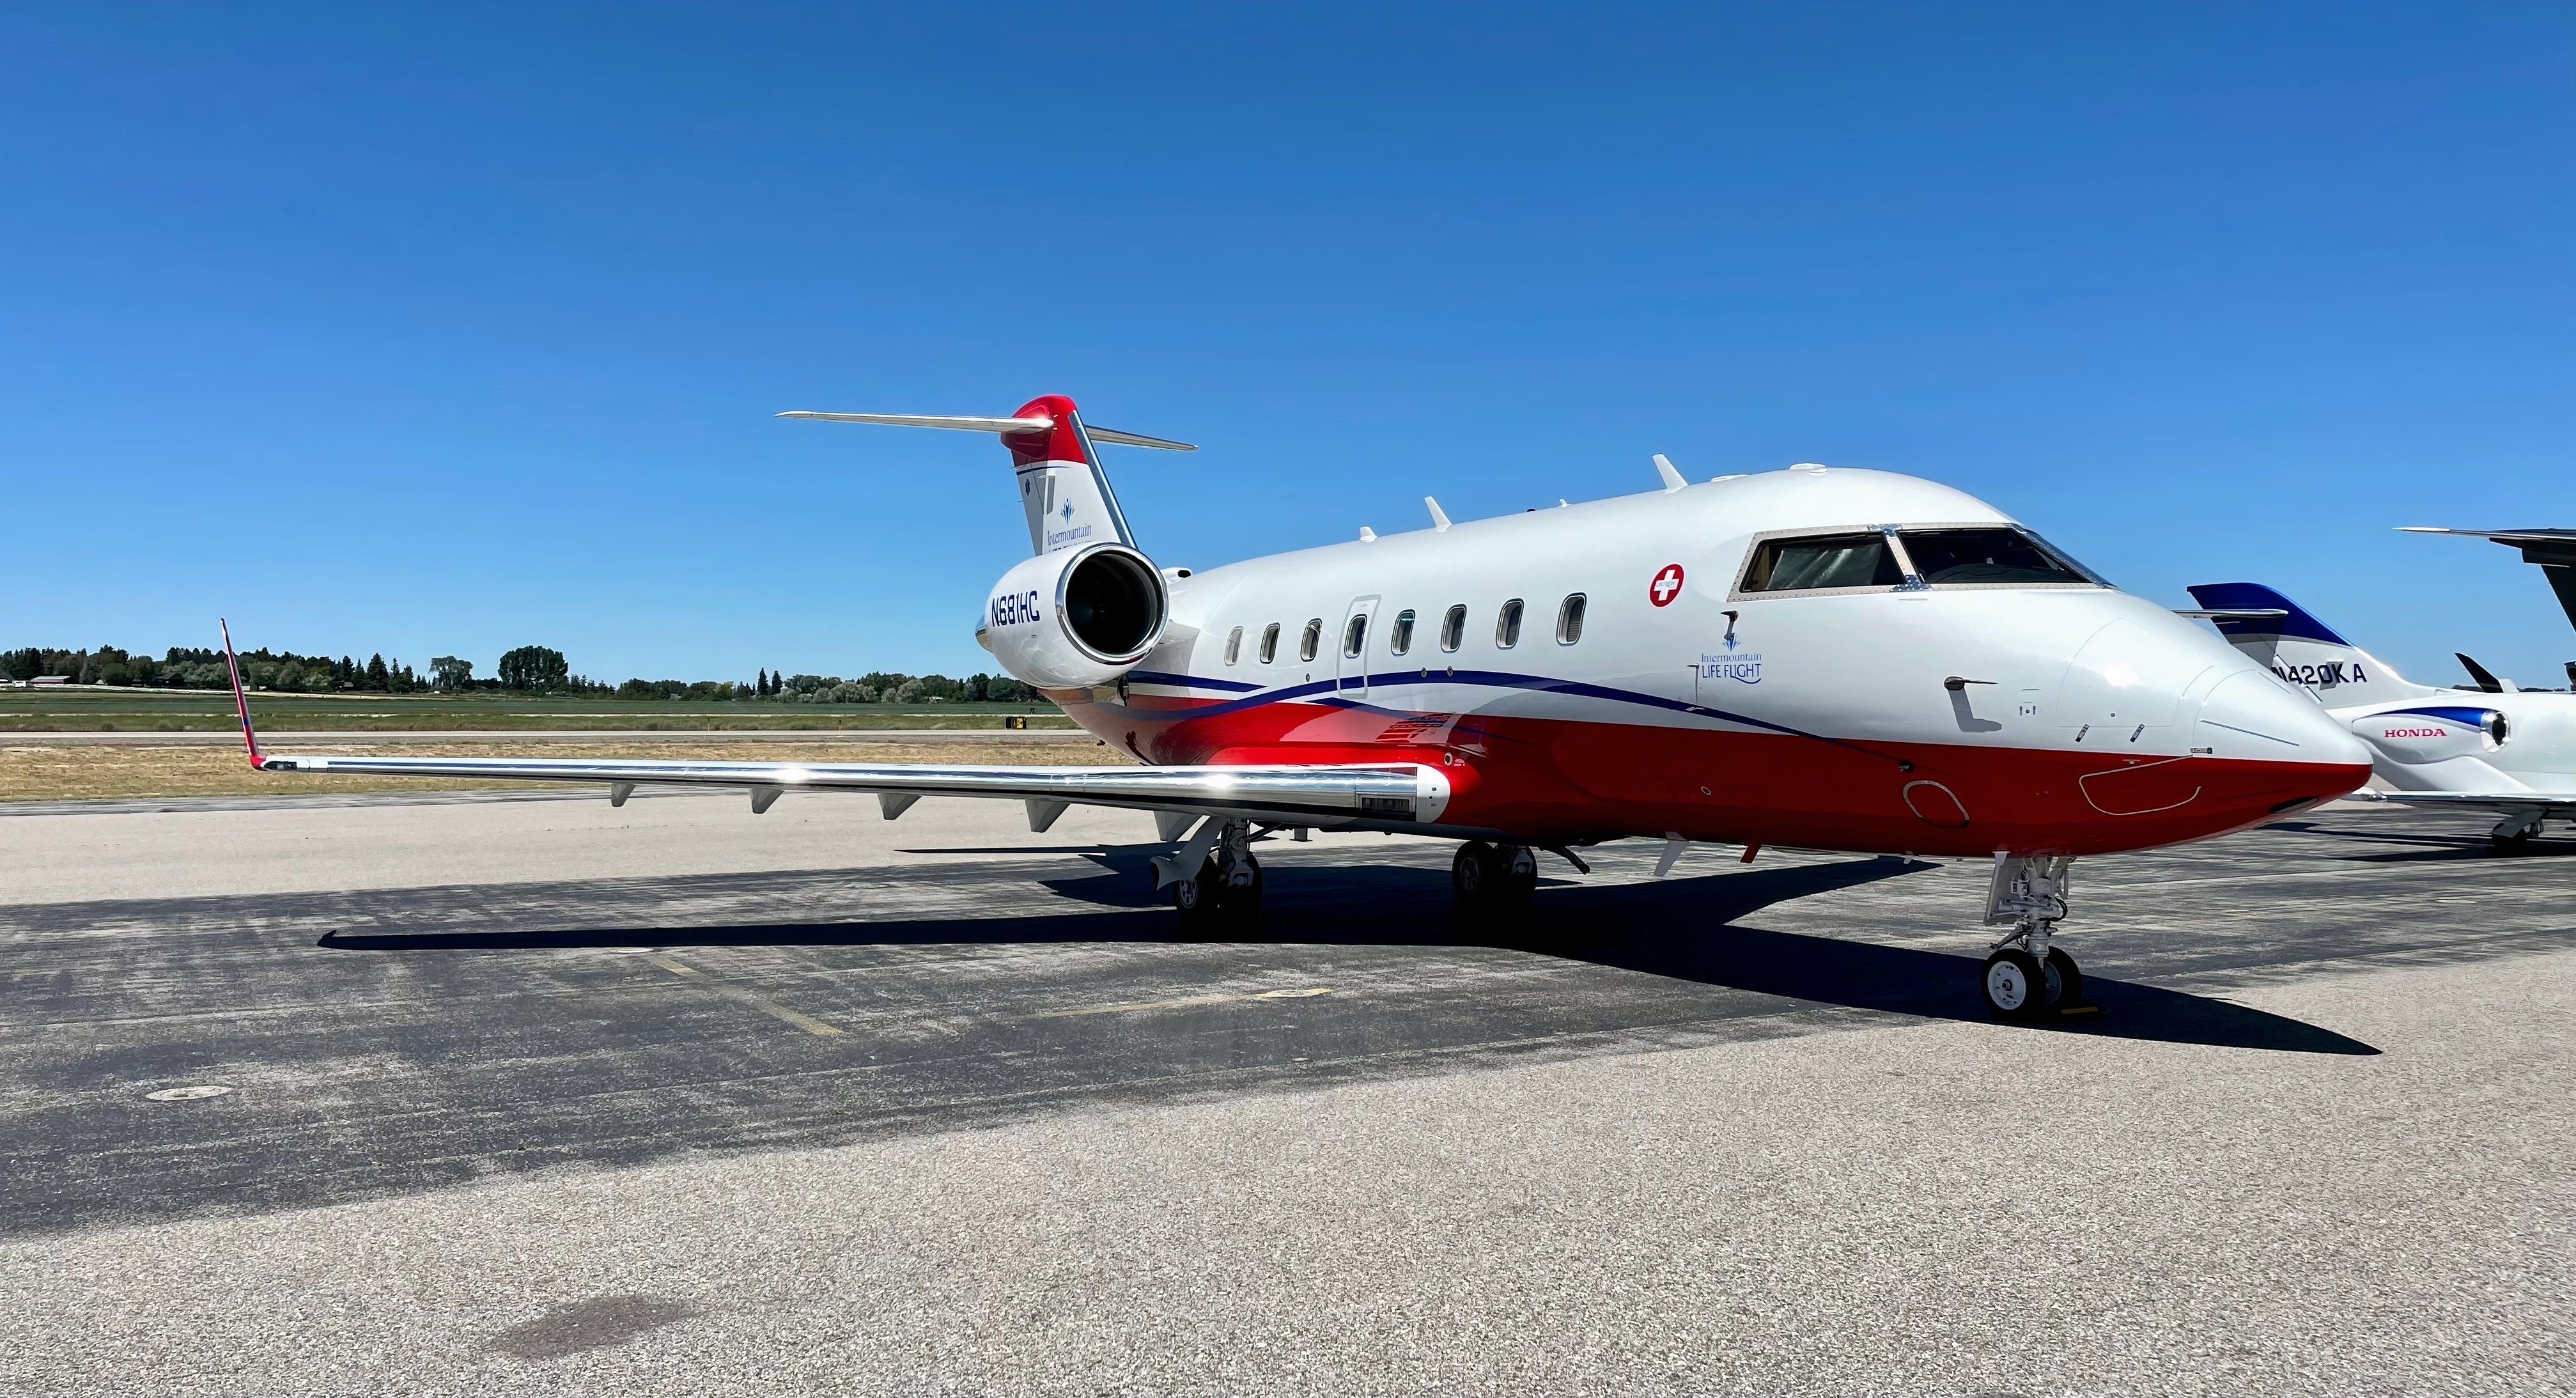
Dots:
pixel 2301 649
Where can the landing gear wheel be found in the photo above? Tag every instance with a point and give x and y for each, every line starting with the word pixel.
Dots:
pixel 2519 842
pixel 1493 876
pixel 1198 898
pixel 1472 872
pixel 2070 979
pixel 2018 988
pixel 1240 899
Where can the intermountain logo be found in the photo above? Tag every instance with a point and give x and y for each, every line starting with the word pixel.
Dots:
pixel 1058 538
pixel 1743 669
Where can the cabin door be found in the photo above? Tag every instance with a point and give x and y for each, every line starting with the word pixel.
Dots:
pixel 1351 647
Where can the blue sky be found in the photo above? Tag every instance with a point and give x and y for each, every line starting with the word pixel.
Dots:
pixel 443 329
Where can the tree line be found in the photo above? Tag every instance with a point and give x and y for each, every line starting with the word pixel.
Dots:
pixel 526 670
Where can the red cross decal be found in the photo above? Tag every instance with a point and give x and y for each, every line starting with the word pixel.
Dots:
pixel 1666 586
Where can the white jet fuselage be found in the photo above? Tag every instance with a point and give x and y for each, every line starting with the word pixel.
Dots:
pixel 1680 696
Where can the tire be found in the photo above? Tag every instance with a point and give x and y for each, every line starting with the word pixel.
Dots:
pixel 2518 842
pixel 1243 901
pixel 1472 873
pixel 2016 987
pixel 2070 979
pixel 1199 899
pixel 1520 872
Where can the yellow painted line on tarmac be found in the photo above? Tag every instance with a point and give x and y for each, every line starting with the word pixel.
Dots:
pixel 1184 1002
pixel 740 996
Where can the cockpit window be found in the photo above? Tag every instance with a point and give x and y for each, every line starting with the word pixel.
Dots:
pixel 1822 561
pixel 1989 556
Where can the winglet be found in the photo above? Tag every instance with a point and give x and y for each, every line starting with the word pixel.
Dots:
pixel 241 701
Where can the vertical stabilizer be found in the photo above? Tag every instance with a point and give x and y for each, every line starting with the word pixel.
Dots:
pixel 2303 650
pixel 1063 490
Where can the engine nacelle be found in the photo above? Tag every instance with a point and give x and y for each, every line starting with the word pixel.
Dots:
pixel 1075 618
pixel 2433 735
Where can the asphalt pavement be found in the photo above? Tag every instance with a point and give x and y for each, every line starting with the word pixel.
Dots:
pixel 527 1094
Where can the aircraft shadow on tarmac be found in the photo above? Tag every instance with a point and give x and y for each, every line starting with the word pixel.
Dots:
pixel 1682 929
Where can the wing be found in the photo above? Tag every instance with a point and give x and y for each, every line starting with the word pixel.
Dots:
pixel 2551 803
pixel 1375 796
pixel 1392 795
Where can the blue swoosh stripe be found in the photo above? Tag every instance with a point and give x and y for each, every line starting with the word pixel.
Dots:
pixel 2472 717
pixel 1491 679
pixel 1190 681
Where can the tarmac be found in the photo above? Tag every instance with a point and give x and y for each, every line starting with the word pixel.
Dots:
pixel 524 1093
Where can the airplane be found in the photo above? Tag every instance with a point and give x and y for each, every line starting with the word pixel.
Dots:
pixel 2551 549
pixel 2556 557
pixel 1817 657
pixel 2508 750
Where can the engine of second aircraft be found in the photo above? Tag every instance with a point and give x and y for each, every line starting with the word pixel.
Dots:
pixel 2433 734
pixel 1076 618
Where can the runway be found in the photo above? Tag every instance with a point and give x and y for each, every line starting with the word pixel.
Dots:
pixel 531 1094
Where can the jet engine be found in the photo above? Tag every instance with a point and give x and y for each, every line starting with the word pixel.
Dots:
pixel 1075 618
pixel 2433 735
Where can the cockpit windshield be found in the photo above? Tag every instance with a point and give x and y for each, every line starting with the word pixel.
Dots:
pixel 1822 561
pixel 1989 555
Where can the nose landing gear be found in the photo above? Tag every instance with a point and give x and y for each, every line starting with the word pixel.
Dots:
pixel 2026 978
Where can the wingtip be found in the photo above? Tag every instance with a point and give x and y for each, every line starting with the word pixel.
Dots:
pixel 241 697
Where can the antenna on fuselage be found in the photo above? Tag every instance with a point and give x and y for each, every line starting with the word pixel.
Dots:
pixel 1672 479
pixel 1439 516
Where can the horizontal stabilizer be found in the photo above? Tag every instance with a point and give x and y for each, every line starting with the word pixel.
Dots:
pixel 2527 539
pixel 993 424
pixel 2236 614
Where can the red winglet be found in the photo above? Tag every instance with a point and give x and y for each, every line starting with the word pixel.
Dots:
pixel 241 701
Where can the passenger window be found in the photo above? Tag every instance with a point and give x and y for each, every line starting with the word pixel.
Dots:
pixel 1312 641
pixel 1569 620
pixel 1234 645
pixel 1823 561
pixel 1355 635
pixel 1507 627
pixel 1453 628
pixel 1988 556
pixel 1270 643
pixel 1400 639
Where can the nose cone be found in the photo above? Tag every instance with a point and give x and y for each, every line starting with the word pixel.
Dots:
pixel 2271 751
pixel 2252 715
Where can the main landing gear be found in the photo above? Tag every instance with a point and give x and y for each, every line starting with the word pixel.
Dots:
pixel 1493 876
pixel 1224 887
pixel 2513 834
pixel 2026 977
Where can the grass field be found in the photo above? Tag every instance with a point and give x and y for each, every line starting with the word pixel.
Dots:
pixel 32 772
pixel 203 711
